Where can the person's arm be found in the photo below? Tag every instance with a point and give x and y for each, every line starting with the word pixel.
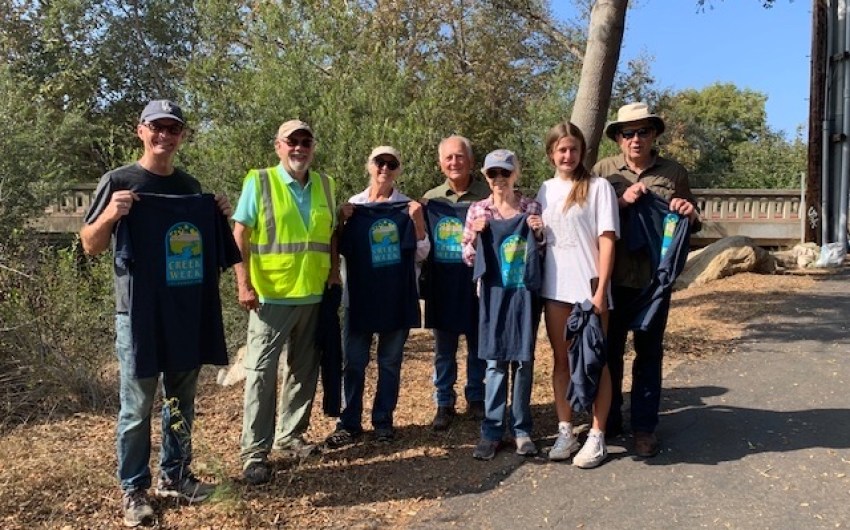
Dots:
pixel 95 236
pixel 334 277
pixel 476 221
pixel 247 295
pixel 684 202
pixel 605 268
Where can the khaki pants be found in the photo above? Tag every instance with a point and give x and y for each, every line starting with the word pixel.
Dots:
pixel 269 328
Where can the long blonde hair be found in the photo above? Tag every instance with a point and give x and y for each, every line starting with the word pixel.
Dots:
pixel 581 175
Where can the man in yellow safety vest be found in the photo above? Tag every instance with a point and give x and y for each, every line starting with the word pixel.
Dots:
pixel 284 227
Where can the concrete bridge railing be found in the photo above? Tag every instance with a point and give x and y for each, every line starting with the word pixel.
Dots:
pixel 770 217
pixel 65 214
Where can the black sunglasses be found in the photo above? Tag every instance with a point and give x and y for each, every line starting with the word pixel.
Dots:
pixel 306 143
pixel 392 164
pixel 497 172
pixel 157 128
pixel 643 132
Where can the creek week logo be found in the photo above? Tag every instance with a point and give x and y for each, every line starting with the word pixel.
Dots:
pixel 184 255
pixel 512 261
pixel 448 234
pixel 385 243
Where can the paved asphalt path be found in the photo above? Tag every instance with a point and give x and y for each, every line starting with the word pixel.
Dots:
pixel 756 439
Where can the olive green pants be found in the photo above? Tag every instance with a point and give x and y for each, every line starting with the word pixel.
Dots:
pixel 269 329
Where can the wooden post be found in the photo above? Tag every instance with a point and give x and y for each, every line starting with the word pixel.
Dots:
pixel 817 108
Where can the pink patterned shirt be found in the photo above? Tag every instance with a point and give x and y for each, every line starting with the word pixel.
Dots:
pixel 485 209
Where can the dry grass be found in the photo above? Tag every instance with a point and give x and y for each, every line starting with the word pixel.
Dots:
pixel 60 474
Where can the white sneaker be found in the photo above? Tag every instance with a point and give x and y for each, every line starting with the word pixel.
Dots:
pixel 564 447
pixel 593 453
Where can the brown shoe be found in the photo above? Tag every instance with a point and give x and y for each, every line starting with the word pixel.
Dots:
pixel 646 444
pixel 443 418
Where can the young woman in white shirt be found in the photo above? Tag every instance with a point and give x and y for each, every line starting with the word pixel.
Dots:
pixel 581 222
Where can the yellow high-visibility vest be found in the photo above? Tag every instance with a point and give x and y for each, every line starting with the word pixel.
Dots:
pixel 288 259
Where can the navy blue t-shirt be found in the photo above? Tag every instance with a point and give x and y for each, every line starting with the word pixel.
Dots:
pixel 379 245
pixel 136 178
pixel 174 248
pixel 450 300
pixel 645 221
pixel 509 266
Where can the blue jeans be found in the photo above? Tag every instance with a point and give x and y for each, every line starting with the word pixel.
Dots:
pixel 445 368
pixel 518 419
pixel 355 359
pixel 646 369
pixel 134 417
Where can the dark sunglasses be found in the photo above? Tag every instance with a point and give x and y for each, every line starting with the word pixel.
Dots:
pixel 157 128
pixel 643 132
pixel 498 172
pixel 306 143
pixel 392 164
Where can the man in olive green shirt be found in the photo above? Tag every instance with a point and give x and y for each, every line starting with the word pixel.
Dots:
pixel 636 171
pixel 456 160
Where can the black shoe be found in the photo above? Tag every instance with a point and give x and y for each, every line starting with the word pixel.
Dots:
pixel 257 473
pixel 341 437
pixel 443 418
pixel 384 435
pixel 475 409
pixel 485 449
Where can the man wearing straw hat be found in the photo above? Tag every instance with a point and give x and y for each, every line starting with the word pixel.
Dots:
pixel 638 170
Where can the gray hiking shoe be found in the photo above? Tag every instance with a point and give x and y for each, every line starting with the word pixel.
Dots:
pixel 296 448
pixel 137 508
pixel 564 447
pixel 188 488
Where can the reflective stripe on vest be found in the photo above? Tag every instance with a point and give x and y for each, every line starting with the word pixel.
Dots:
pixel 274 246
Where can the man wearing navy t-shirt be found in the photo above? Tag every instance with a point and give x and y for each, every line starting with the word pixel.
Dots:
pixel 456 160
pixel 161 129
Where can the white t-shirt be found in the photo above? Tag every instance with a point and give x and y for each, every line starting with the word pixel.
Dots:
pixel 572 237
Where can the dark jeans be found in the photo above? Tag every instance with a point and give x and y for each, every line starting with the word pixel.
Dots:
pixel 646 370
pixel 390 354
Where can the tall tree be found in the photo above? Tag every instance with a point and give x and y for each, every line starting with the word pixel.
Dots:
pixel 605 38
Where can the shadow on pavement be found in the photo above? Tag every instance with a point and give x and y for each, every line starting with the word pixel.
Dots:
pixel 695 432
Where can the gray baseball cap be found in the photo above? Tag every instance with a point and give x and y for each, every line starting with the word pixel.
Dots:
pixel 162 109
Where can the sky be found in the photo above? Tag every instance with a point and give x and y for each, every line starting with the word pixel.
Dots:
pixel 738 41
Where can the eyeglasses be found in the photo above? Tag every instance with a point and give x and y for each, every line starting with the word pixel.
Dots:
pixel 306 143
pixel 158 128
pixel 392 164
pixel 643 132
pixel 497 172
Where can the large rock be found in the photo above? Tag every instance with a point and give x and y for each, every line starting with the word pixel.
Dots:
pixel 799 257
pixel 725 257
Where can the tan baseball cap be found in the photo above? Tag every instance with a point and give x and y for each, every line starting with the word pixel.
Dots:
pixel 291 126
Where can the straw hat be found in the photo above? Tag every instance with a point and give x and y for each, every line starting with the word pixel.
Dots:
pixel 631 113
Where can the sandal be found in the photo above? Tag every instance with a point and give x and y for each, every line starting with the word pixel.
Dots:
pixel 340 438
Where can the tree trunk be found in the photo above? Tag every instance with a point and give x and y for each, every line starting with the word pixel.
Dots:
pixel 605 37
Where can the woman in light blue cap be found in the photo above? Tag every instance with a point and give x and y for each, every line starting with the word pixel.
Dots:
pixel 501 238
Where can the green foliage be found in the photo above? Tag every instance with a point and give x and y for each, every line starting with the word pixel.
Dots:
pixel 720 134
pixel 405 74
pixel 769 162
